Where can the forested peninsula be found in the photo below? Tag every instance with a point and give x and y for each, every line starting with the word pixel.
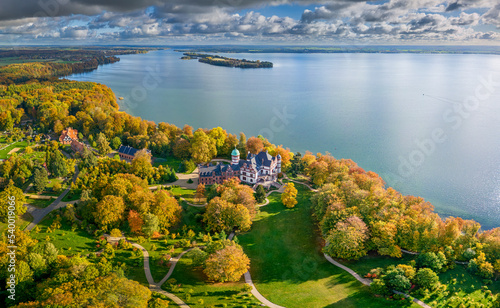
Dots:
pixel 224 61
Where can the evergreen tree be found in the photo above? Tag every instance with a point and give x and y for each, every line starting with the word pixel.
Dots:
pixel 260 194
pixel 40 179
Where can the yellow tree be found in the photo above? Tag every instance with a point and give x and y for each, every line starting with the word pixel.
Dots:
pixel 227 264
pixel 141 164
pixel 109 211
pixel 222 215
pixel 166 208
pixel 203 148
pixel 288 197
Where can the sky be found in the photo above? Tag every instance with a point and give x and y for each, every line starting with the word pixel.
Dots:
pixel 328 22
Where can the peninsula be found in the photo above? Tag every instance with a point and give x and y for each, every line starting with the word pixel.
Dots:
pixel 224 61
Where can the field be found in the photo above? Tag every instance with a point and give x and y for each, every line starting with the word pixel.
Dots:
pixel 67 241
pixel 22 221
pixel 287 265
pixel 170 161
pixel 4 153
pixel 39 203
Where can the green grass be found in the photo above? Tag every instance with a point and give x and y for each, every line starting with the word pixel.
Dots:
pixel 287 265
pixel 39 203
pixel 170 161
pixel 48 189
pixel 374 260
pixel 191 217
pixel 73 195
pixel 187 194
pixel 132 271
pixel 193 282
pixel 22 222
pixel 18 144
pixel 467 288
pixel 68 242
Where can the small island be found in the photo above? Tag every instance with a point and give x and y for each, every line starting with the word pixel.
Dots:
pixel 224 61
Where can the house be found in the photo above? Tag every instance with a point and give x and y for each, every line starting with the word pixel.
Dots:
pixel 77 146
pixel 257 168
pixel 127 152
pixel 68 135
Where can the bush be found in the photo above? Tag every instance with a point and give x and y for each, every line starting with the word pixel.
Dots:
pixel 396 280
pixel 115 233
pixel 184 242
pixel 190 181
pixel 426 278
pixel 436 262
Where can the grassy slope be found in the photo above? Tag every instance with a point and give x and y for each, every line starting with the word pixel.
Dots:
pixel 288 267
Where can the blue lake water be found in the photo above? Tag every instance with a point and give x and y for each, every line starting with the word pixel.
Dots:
pixel 428 124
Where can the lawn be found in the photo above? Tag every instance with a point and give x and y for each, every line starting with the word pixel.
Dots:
pixel 463 287
pixel 19 144
pixel 73 195
pixel 287 265
pixel 193 282
pixel 48 191
pixel 67 241
pixel 39 203
pixel 172 162
pixel 132 271
pixel 187 194
pixel 191 217
pixel 22 222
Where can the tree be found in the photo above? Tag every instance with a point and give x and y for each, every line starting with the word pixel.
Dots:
pixel 115 143
pixel 103 144
pixel 395 279
pixel 57 165
pixel 166 208
pixel 109 211
pixel 347 239
pixel 200 192
pixel 222 215
pixel 182 148
pixel 151 224
pixel 436 262
pixel 383 238
pixel 288 197
pixel 40 179
pixel 227 264
pixel 141 164
pixel 254 145
pixel 135 221
pixel 242 144
pixel 260 194
pixel 426 278
pixel 198 256
pixel 203 149
pixel 88 158
pixel 9 198
pixel 233 191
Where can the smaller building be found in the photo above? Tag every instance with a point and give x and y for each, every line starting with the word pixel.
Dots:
pixel 77 146
pixel 128 152
pixel 68 135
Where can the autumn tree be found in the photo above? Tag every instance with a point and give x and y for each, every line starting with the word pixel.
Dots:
pixel 135 222
pixel 40 179
pixel 200 192
pixel 426 278
pixel 286 156
pixel 254 145
pixel 11 197
pixel 166 208
pixel 289 195
pixel 242 144
pixel 203 149
pixel 227 264
pixel 233 191
pixel 221 215
pixel 383 238
pixel 103 144
pixel 348 239
pixel 109 211
pixel 141 164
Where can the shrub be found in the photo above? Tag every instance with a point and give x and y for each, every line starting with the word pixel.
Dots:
pixel 396 280
pixel 115 233
pixel 184 242
pixel 426 278
pixel 436 262
pixel 190 181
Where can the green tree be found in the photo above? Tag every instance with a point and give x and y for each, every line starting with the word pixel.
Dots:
pixel 426 278
pixel 198 256
pixel 260 194
pixel 57 165
pixel 102 144
pixel 115 143
pixel 395 279
pixel 40 179
pixel 434 261
pixel 151 224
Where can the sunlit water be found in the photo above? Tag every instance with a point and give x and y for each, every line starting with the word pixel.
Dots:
pixel 418 120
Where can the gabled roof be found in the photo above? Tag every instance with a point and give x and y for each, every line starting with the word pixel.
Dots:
pixel 127 150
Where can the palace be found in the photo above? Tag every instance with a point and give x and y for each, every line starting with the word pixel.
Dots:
pixel 257 168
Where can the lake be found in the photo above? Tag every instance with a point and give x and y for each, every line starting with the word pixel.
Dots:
pixel 429 124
